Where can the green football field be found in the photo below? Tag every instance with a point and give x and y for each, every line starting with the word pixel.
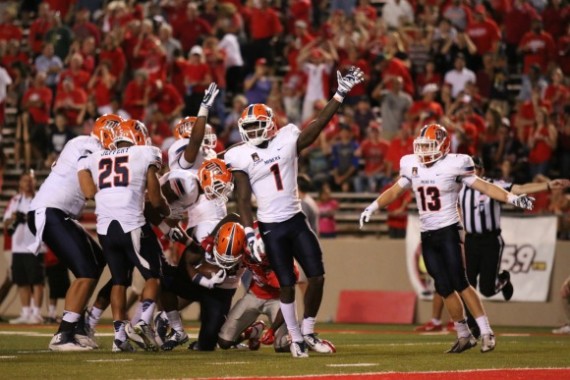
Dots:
pixel 384 350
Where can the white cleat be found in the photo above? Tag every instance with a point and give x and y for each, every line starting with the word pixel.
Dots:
pixel 86 341
pixel 143 330
pixel 317 344
pixel 299 350
pixel 562 330
pixel 119 346
pixel 21 320
pixel 487 343
pixel 62 344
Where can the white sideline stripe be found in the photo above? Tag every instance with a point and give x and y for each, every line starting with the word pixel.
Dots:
pixel 394 344
pixel 8 357
pixel 226 363
pixel 32 352
pixel 108 360
pixel 513 334
pixel 353 365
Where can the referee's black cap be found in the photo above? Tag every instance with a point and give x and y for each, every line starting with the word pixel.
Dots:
pixel 478 161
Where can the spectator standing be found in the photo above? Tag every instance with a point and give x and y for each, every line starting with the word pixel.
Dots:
pixel 401 145
pixel 542 142
pixel 264 28
pixel 83 28
pixel 60 36
pixel 316 64
pixel 394 103
pixel 196 77
pixel 113 54
pixel 537 47
pixel 517 23
pixel 8 30
pixel 397 13
pixel 257 86
pixel 459 76
pixel 101 86
pixel 76 73
pixel 167 100
pixel 39 28
pixel 233 62
pixel 344 160
pixel 484 32
pixel 373 151
pixel 70 100
pixel 230 134
pixel 168 42
pixel 189 27
pixel 328 207
pixel 28 271
pixel 51 65
pixel 5 82
pixel 136 95
pixel 458 14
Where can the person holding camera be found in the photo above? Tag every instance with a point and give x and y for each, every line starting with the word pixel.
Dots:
pixel 28 271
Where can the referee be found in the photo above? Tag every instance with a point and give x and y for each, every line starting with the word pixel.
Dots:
pixel 483 241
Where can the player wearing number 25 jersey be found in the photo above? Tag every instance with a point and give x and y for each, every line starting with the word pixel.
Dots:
pixel 436 178
pixel 118 179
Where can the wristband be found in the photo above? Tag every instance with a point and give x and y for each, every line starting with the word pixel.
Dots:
pixel 204 110
pixel 511 198
pixel 373 206
pixel 338 97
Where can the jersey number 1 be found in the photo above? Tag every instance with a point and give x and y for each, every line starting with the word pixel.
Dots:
pixel 118 167
pixel 434 203
pixel 277 174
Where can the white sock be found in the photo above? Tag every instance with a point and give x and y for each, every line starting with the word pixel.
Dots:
pixel 436 322
pixel 26 311
pixel 70 316
pixel 174 320
pixel 147 311
pixel 120 333
pixel 94 316
pixel 308 326
pixel 289 311
pixel 462 329
pixel 483 323
pixel 137 316
pixel 35 310
pixel 52 311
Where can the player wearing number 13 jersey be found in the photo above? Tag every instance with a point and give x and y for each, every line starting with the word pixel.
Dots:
pixel 118 179
pixel 266 165
pixel 436 178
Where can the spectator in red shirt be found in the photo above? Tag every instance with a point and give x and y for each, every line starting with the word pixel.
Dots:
pixel 301 38
pixel 557 93
pixel 88 53
pixel 537 46
pixel 79 76
pixel 39 28
pixel 9 31
pixel 563 51
pixel 299 10
pixel 555 17
pixel 264 27
pixel 394 67
pixel 373 151
pixel 136 95
pixel 101 87
pixel 197 77
pixel 83 28
pixel 71 100
pixel 36 105
pixel 190 28
pixel 484 32
pixel 517 23
pixel 113 54
pixel 542 143
pixel 397 212
pixel 353 59
pixel 167 100
pixel 426 110
pixel 13 54
pixel 430 76
pixel 61 6
pixel 401 144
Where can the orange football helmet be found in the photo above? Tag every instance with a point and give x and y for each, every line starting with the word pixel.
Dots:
pixel 183 130
pixel 104 127
pixel 132 131
pixel 215 179
pixel 257 124
pixel 432 144
pixel 229 245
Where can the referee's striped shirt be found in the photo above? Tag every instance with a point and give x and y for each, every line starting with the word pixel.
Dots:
pixel 480 212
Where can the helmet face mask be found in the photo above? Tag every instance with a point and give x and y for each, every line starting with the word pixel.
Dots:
pixel 257 124
pixel 216 180
pixel 210 139
pixel 432 143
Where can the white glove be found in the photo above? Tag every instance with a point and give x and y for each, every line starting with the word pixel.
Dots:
pixel 346 83
pixel 367 213
pixel 216 279
pixel 176 234
pixel 521 201
pixel 208 99
pixel 255 244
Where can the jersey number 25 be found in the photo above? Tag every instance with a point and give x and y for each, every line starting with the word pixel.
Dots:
pixel 114 172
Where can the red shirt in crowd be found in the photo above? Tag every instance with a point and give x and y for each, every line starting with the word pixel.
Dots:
pixel 188 32
pixel 167 100
pixel 133 99
pixel 38 30
pixel 398 149
pixel 61 6
pixel 395 67
pixel 558 95
pixel 485 35
pixel 116 58
pixel 39 112
pixel 555 20
pixel 432 110
pixel 300 10
pixel 195 74
pixel 80 78
pixel 87 29
pixel 541 151
pixel 563 53
pixel 10 32
pixel 77 97
pixel 102 93
pixel 539 49
pixel 517 23
pixel 374 155
pixel 264 23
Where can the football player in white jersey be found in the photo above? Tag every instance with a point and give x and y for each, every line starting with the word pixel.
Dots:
pixel 195 142
pixel 117 179
pixel 52 218
pixel 436 178
pixel 266 165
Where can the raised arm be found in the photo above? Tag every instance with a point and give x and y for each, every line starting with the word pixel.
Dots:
pixel 345 84
pixel 199 128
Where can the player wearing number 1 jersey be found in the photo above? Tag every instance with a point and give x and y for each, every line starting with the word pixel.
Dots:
pixel 436 178
pixel 266 165
pixel 117 179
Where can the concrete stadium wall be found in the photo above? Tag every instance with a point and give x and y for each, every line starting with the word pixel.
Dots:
pixel 380 264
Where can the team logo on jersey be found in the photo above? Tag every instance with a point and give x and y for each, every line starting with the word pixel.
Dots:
pixel 414 172
pixel 255 157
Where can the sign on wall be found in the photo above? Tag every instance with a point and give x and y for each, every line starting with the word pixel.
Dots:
pixel 528 255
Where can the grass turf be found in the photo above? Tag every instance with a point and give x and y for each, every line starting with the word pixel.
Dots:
pixel 360 349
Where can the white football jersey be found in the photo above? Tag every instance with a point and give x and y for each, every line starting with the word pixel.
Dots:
pixel 176 150
pixel 61 188
pixel 120 176
pixel 437 187
pixel 272 172
pixel 184 183
pixel 204 210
